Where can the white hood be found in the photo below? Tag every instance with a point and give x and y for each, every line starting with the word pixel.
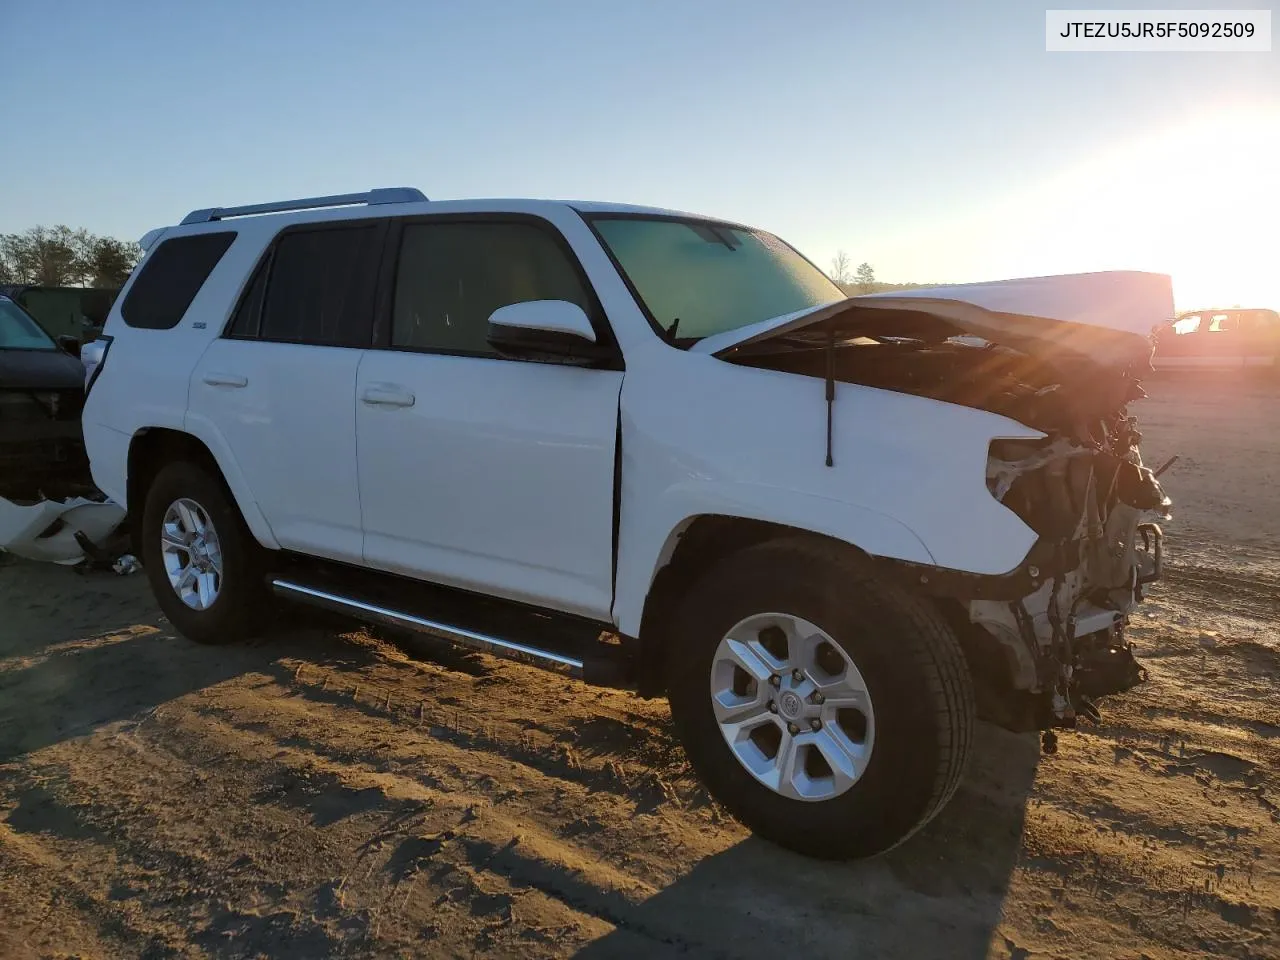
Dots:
pixel 1107 317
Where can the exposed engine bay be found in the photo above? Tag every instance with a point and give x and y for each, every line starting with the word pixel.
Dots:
pixel 1083 488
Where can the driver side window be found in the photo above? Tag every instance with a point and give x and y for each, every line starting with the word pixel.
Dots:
pixel 451 276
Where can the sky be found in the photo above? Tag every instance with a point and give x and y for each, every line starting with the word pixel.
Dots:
pixel 937 141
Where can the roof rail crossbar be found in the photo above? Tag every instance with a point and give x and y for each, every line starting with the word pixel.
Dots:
pixel 372 197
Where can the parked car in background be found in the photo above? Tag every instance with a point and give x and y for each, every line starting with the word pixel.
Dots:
pixel 41 395
pixel 50 509
pixel 658 451
pixel 1232 338
pixel 64 311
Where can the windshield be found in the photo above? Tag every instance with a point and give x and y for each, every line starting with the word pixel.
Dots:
pixel 711 277
pixel 19 332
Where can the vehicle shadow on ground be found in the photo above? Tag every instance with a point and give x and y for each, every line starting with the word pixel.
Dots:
pixel 938 895
pixel 108 655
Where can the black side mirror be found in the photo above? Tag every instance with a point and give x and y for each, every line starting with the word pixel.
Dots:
pixel 70 344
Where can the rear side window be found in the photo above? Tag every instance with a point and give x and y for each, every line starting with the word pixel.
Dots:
pixel 245 323
pixel 452 276
pixel 320 289
pixel 171 278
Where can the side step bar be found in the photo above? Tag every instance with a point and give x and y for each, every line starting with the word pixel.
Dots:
pixel 364 610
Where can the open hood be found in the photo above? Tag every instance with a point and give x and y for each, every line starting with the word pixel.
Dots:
pixel 1106 318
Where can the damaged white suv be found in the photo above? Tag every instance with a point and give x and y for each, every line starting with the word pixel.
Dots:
pixel 657 451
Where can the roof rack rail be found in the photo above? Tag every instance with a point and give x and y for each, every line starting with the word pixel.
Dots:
pixel 372 197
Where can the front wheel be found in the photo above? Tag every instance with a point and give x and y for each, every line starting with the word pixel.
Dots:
pixel 204 566
pixel 828 711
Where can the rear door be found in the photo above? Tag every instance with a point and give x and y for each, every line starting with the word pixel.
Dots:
pixel 478 471
pixel 279 385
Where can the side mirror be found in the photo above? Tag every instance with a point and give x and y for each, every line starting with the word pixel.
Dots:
pixel 549 330
pixel 69 344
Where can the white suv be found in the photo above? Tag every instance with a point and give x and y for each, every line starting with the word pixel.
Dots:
pixel 657 451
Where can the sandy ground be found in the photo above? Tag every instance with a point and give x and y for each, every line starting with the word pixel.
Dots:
pixel 337 795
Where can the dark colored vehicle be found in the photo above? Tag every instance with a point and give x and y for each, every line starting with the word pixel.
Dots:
pixel 64 311
pixel 42 452
pixel 1225 339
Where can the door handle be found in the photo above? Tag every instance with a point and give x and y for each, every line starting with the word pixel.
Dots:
pixel 225 380
pixel 387 397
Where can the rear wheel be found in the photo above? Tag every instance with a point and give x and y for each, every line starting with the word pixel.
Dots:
pixel 830 712
pixel 205 568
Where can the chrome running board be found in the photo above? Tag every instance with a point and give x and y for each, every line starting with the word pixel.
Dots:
pixel 363 610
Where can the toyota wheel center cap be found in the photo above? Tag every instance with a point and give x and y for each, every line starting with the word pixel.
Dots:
pixel 790 705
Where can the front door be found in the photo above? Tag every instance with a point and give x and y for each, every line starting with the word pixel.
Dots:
pixel 476 471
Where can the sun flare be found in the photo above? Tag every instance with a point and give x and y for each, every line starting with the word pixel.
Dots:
pixel 1200 201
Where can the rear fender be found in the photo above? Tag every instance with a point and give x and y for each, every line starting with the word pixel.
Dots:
pixel 204 432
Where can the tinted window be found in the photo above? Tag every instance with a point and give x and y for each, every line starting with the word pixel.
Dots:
pixel 171 278
pixel 452 276
pixel 18 331
pixel 245 322
pixel 321 287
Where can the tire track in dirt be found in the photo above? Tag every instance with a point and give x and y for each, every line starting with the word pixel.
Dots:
pixel 433 846
pixel 58 904
pixel 1145 885
pixel 257 740
pixel 153 845
pixel 492 842
pixel 553 751
pixel 1252 595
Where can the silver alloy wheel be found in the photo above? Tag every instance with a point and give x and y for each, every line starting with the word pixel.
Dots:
pixel 191 553
pixel 792 706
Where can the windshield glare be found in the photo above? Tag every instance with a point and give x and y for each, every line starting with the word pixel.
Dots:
pixel 712 277
pixel 19 332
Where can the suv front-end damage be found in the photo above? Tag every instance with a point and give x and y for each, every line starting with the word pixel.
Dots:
pixel 1048 637
pixel 1063 356
pixel 1097 510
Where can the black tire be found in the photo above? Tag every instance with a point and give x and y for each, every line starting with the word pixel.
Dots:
pixel 242 601
pixel 915 673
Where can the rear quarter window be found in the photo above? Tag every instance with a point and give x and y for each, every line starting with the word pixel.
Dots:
pixel 170 279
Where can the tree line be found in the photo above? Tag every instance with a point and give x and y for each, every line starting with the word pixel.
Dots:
pixel 61 257
pixel 862 279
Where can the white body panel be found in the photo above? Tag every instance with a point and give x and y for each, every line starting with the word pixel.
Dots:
pixel 497 478
pixel 1108 317
pixel 146 378
pixel 1130 301
pixel 704 437
pixel 21 526
pixel 284 414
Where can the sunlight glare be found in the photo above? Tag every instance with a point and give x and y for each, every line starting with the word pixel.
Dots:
pixel 1199 201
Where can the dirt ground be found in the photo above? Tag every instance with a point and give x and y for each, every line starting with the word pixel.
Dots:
pixel 336 795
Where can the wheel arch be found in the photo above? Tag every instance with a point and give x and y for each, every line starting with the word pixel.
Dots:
pixel 690 549
pixel 151 448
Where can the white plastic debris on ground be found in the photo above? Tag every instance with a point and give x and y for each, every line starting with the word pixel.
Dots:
pixel 34 531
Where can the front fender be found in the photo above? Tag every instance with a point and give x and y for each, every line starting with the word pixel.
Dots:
pixel 907 479
pixel 650 543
